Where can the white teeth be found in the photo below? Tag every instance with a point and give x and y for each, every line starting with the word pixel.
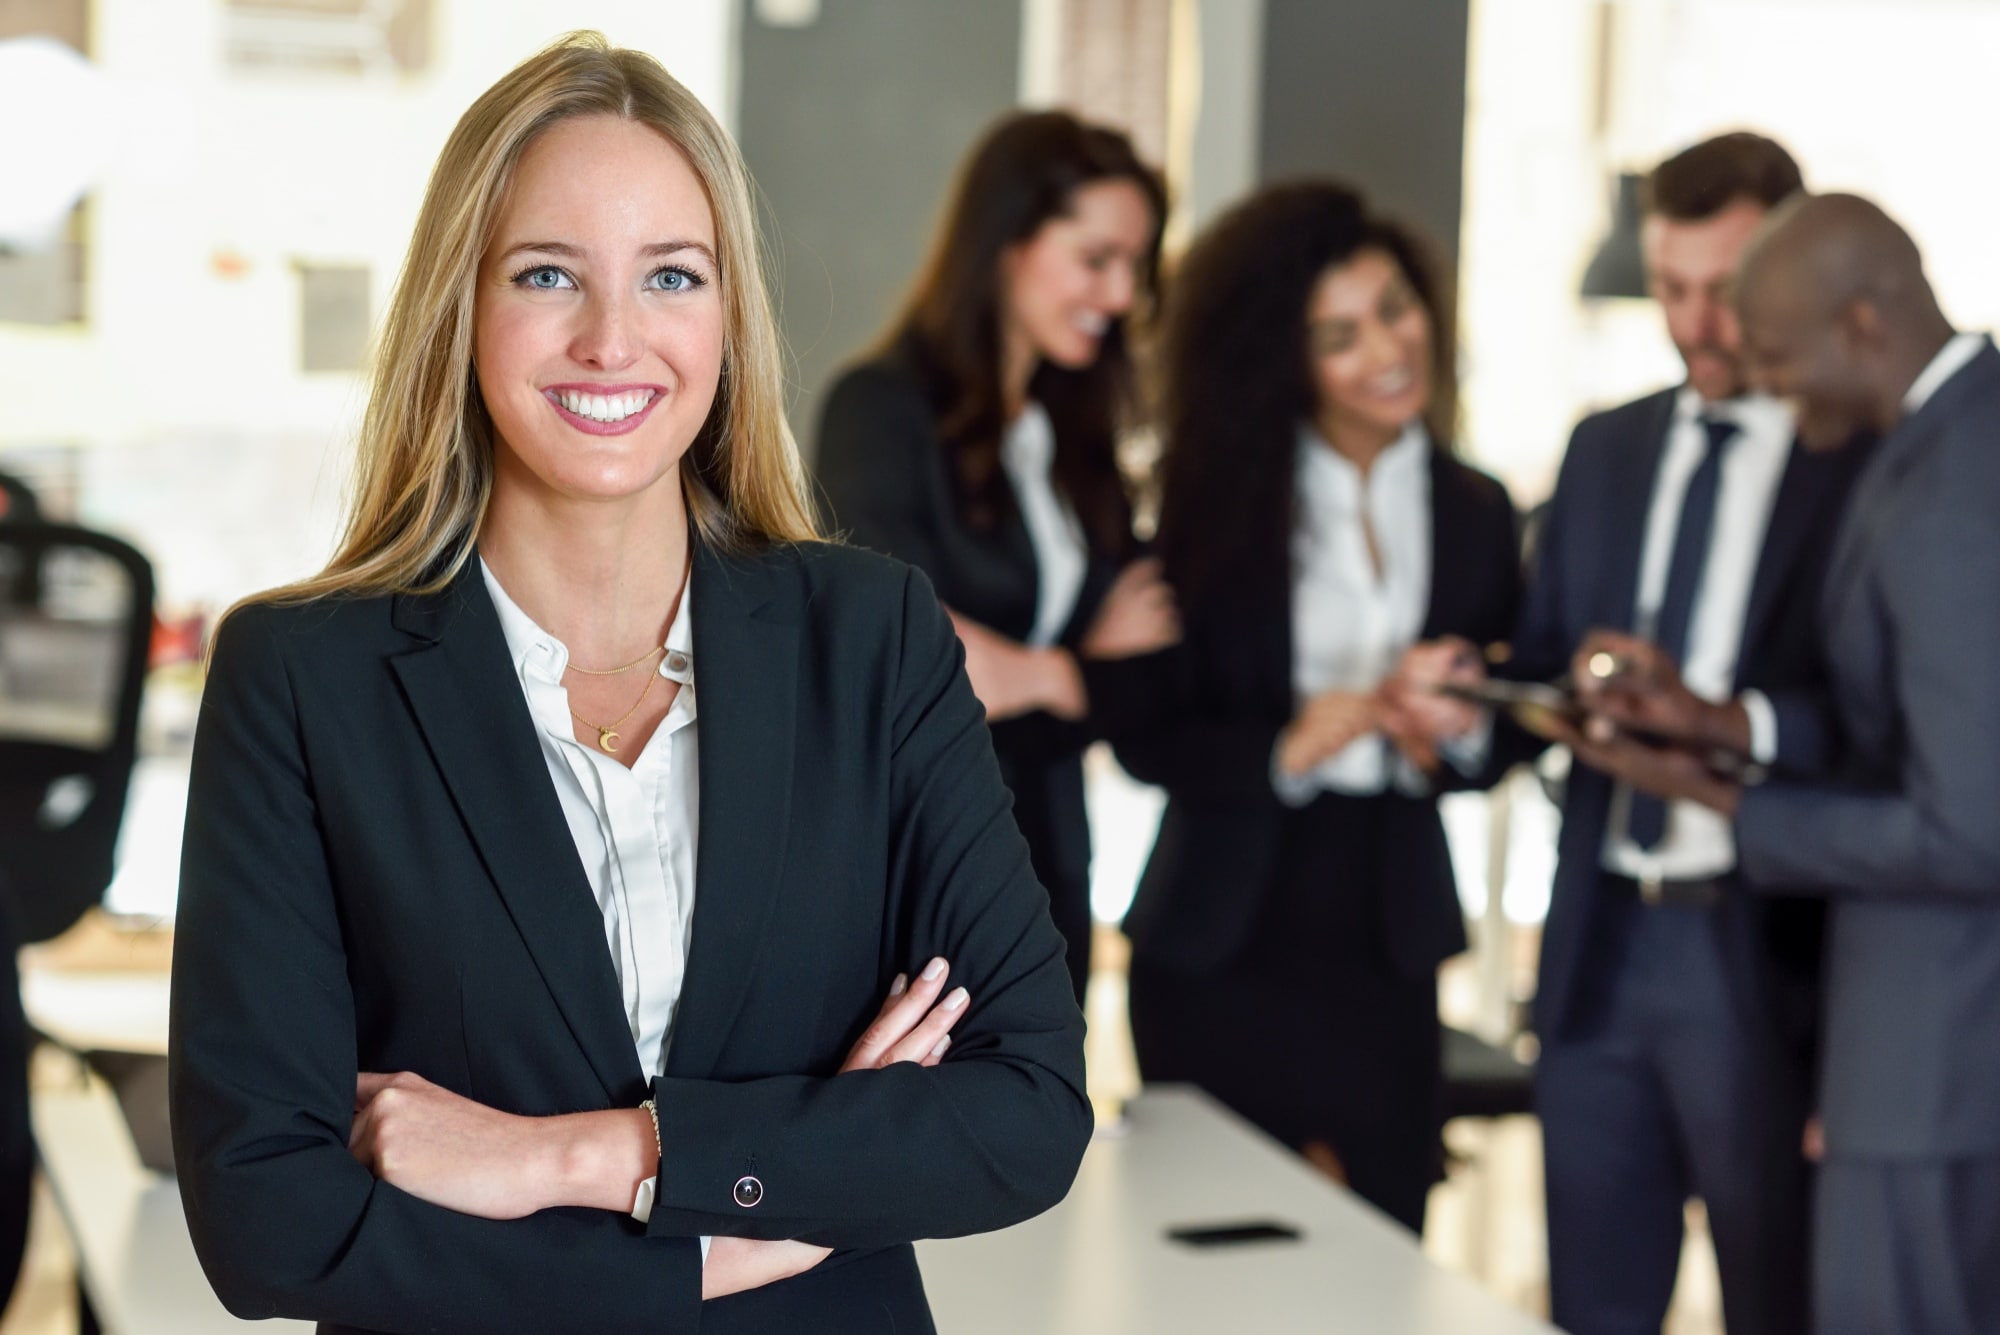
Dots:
pixel 604 407
pixel 1092 323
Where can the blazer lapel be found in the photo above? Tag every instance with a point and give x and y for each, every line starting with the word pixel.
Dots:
pixel 1806 487
pixel 1451 518
pixel 746 646
pixel 1630 503
pixel 461 686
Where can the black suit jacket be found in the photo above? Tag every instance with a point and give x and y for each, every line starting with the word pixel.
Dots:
pixel 1905 835
pixel 377 876
pixel 1587 577
pixel 1215 708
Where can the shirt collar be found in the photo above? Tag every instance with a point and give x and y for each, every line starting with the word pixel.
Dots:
pixel 1952 357
pixel 1030 439
pixel 1753 412
pixel 539 654
pixel 1325 471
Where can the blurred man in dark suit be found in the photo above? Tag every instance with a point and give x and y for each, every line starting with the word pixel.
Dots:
pixel 1675 1010
pixel 1904 836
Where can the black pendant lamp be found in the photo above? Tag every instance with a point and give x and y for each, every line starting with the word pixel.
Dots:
pixel 1617 270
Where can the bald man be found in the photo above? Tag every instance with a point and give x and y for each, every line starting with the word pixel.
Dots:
pixel 1904 839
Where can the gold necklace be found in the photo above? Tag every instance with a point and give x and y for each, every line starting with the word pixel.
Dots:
pixel 607 733
pixel 613 672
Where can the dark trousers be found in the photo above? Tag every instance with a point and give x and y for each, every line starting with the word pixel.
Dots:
pixel 1313 1034
pixel 1674 1092
pixel 1907 1248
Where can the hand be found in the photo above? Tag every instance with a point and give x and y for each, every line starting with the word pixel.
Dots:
pixel 1011 679
pixel 913 1025
pixel 450 1151
pixel 1138 615
pixel 1325 726
pixel 735 1265
pixel 1634 686
pixel 1413 710
pixel 1667 772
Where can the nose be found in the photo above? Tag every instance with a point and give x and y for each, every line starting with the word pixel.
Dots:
pixel 606 337
pixel 1121 286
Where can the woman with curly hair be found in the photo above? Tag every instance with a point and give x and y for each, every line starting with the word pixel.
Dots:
pixel 1314 526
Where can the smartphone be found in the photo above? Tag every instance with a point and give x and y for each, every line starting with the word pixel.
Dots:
pixel 1234 1234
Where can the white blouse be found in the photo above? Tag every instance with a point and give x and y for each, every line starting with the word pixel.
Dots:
pixel 1351 624
pixel 1027 452
pixel 634 828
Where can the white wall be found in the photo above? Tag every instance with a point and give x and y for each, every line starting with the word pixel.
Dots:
pixel 199 435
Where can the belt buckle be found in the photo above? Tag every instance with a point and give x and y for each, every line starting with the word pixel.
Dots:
pixel 1651 892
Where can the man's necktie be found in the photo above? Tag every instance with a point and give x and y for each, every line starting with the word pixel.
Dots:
pixel 1647 823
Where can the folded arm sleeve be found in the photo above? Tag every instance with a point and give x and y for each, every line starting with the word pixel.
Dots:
pixel 263 1060
pixel 990 1136
pixel 1934 835
pixel 1163 738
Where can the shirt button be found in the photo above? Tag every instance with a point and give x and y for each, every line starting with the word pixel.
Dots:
pixel 748 1192
pixel 675 661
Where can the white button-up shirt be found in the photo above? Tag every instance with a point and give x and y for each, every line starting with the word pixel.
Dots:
pixel 634 829
pixel 1027 452
pixel 1698 842
pixel 1351 623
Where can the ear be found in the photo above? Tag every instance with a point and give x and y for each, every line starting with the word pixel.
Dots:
pixel 1859 326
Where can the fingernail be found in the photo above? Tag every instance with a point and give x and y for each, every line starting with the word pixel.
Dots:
pixel 934 970
pixel 942 1044
pixel 901 985
pixel 956 999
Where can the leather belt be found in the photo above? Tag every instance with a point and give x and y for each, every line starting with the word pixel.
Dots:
pixel 1660 892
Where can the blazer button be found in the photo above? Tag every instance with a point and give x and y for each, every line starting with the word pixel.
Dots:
pixel 749 1191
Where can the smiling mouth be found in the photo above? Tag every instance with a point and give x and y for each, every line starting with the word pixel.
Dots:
pixel 1391 384
pixel 604 409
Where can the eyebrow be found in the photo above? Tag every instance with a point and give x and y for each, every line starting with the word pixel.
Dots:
pixel 567 251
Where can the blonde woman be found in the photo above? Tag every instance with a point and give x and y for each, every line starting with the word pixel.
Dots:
pixel 551 854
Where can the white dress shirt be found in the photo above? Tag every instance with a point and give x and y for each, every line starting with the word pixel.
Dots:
pixel 1951 358
pixel 1698 842
pixel 1027 452
pixel 1351 622
pixel 634 829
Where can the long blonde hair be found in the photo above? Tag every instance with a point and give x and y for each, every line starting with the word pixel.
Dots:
pixel 424 470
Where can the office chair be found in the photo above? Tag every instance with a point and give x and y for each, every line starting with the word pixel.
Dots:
pixel 76 617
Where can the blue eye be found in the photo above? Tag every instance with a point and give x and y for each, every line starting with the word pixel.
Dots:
pixel 674 278
pixel 543 278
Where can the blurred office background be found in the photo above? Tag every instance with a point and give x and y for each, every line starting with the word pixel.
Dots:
pixel 182 350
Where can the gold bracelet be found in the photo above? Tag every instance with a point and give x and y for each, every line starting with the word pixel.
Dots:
pixel 653 1111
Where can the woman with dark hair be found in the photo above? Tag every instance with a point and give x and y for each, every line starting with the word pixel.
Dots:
pixel 1315 526
pixel 978 443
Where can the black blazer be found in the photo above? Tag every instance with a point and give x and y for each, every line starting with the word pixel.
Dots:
pixel 377 876
pixel 1904 836
pixel 1586 577
pixel 1216 705
pixel 890 483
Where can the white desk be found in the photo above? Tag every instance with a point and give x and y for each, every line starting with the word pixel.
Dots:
pixel 134 1257
pixel 1100 1263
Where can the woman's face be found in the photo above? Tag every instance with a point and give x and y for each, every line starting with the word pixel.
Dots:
pixel 598 323
pixel 1061 289
pixel 1369 341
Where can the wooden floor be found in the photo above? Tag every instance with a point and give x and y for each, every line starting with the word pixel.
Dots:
pixel 1486 1219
